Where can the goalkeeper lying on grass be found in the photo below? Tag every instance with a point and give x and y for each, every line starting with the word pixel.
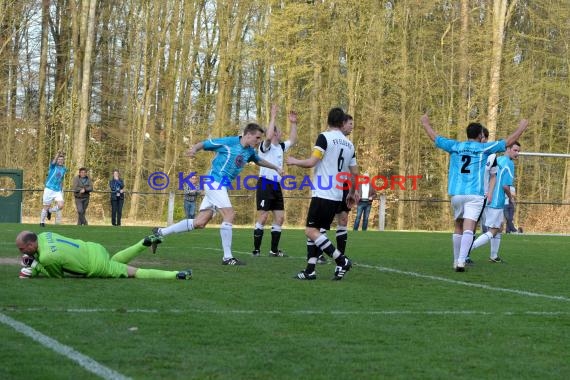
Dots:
pixel 54 255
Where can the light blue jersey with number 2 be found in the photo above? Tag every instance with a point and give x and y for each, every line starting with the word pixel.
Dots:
pixel 467 160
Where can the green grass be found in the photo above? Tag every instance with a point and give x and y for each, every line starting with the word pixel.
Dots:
pixel 401 312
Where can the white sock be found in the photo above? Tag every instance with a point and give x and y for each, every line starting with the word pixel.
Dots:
pixel 182 226
pixel 456 246
pixel 275 227
pixel 259 226
pixel 482 239
pixel 226 234
pixel 43 216
pixel 495 244
pixel 466 241
pixel 54 209
pixel 58 216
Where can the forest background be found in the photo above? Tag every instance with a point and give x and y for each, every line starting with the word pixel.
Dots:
pixel 133 84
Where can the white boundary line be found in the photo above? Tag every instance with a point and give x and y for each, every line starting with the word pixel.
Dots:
pixel 294 312
pixel 471 284
pixel 70 353
pixel 442 279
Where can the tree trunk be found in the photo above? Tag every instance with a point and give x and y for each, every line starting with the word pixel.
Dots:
pixel 80 145
pixel 463 104
pixel 500 19
pixel 42 79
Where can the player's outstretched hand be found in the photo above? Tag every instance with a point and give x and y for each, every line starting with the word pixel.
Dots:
pixel 291 160
pixel 352 200
pixel 27 260
pixel 293 117
pixel 25 272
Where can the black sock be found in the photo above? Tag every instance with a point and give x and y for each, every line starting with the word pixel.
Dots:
pixel 312 251
pixel 275 237
pixel 257 238
pixel 341 260
pixel 341 239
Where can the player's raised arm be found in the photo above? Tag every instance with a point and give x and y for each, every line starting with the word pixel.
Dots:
pixel 57 155
pixel 428 128
pixel 523 125
pixel 271 127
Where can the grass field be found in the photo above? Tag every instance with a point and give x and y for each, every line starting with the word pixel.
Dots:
pixel 401 313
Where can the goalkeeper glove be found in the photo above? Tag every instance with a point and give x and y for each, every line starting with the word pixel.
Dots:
pixel 25 272
pixel 29 261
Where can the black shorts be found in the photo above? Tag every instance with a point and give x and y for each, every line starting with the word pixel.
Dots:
pixel 342 207
pixel 321 213
pixel 269 196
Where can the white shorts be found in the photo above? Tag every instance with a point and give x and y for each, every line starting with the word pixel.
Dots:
pixel 51 195
pixel 467 206
pixel 493 217
pixel 216 197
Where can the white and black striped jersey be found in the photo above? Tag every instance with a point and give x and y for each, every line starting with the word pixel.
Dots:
pixel 337 155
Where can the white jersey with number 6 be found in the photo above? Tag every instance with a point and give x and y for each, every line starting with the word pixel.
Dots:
pixel 337 155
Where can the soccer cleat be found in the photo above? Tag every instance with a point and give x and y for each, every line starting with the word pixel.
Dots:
pixel 184 275
pixel 460 267
pixel 340 271
pixel 322 259
pixel 42 224
pixel 232 261
pixel 303 275
pixel 156 239
pixel 48 216
pixel 256 253
pixel 468 261
pixel 495 260
pixel 279 253
pixel 152 241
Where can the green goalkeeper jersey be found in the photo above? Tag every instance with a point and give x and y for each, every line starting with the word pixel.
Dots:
pixel 59 255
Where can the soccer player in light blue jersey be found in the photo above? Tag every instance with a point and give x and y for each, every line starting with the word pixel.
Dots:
pixel 53 190
pixel 466 180
pixel 494 212
pixel 232 154
pixel 488 186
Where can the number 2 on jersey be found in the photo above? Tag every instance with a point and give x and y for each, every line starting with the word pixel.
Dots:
pixel 466 161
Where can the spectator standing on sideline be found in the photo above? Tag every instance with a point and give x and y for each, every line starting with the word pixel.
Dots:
pixel 53 190
pixel 494 213
pixel 368 194
pixel 509 211
pixel 333 153
pixel 117 186
pixel 57 256
pixel 465 180
pixel 82 188
pixel 191 193
pixel 232 154
pixel 269 195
